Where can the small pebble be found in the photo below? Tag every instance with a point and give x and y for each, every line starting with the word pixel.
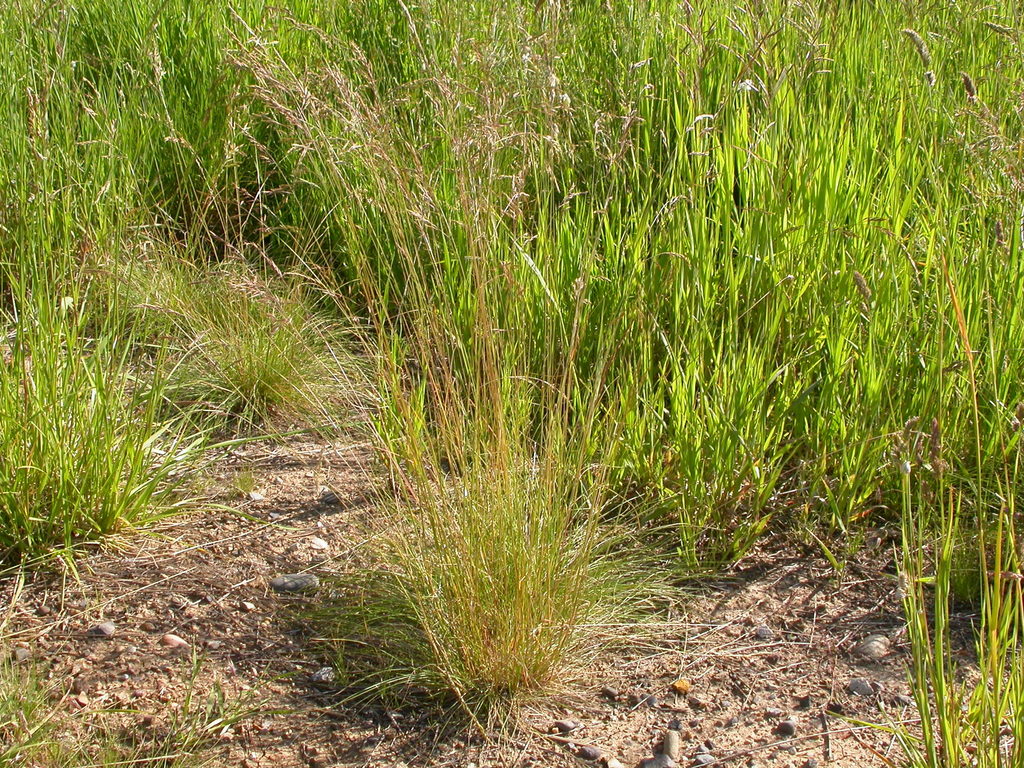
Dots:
pixel 255 496
pixel 21 655
pixel 214 645
pixel 658 761
pixel 317 543
pixel 732 722
pixel 873 647
pixel 173 641
pixel 773 712
pixel 106 629
pixel 294 582
pixel 564 726
pixel 147 626
pixel 672 744
pixel 764 633
pixel 696 702
pixel 810 762
pixel 328 497
pixel 703 758
pixel 323 675
pixel 588 752
pixel 860 686
pixel 612 762
pixel 675 725
pixel 786 728
pixel 903 700
pixel 682 686
pixel 609 693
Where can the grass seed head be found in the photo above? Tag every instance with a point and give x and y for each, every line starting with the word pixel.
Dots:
pixel 921 46
pixel 862 286
pixel 999 29
pixel 972 92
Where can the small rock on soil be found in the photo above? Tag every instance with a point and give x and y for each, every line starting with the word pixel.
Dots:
pixel 658 761
pixel 786 728
pixel 860 686
pixel 873 647
pixel 106 629
pixel 565 726
pixel 672 744
pixel 294 582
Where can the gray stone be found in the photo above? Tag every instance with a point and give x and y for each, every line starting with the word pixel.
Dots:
pixel 565 726
pixel 294 582
pixel 860 686
pixel 21 655
pixel 703 759
pixel 589 752
pixel 764 633
pixel 317 543
pixel 658 761
pixel 323 675
pixel 106 629
pixel 328 497
pixel 873 647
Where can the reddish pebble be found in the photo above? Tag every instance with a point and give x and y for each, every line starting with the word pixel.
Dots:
pixel 173 641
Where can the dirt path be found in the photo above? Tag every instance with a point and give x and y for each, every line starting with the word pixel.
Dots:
pixel 771 644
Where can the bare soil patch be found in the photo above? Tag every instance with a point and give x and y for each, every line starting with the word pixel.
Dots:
pixel 771 642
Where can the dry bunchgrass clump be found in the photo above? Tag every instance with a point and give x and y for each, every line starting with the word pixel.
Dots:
pixel 247 347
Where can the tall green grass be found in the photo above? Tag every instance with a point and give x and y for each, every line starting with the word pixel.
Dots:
pixel 84 450
pixel 751 201
pixel 750 204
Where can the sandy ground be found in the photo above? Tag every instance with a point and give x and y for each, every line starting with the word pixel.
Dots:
pixel 754 669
